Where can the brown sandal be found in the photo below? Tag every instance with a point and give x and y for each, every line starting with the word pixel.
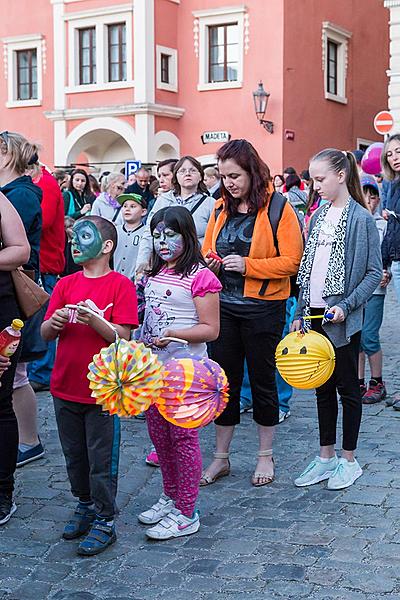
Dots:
pixel 206 479
pixel 260 479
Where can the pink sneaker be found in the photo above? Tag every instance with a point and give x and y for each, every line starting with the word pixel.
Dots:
pixel 152 459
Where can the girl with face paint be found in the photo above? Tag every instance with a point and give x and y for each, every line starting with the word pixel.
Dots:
pixel 180 296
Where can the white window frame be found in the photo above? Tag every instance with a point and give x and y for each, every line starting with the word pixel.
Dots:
pixel 341 37
pixel 215 17
pixel 172 86
pixel 100 20
pixel 363 142
pixel 14 44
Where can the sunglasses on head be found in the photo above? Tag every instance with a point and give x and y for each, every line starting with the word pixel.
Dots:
pixel 4 136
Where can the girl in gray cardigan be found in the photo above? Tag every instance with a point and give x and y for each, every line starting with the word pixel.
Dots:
pixel 340 269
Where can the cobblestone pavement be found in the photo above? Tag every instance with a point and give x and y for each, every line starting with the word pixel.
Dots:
pixel 274 542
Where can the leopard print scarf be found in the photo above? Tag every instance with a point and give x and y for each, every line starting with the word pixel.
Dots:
pixel 335 276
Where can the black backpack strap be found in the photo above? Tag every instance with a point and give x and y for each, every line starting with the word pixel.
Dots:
pixel 198 204
pixel 275 209
pixel 115 217
pixel 218 211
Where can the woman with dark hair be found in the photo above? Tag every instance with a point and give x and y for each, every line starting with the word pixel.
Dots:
pixel 94 185
pixel 340 269
pixel 188 190
pixel 78 199
pixel 254 266
pixel 181 301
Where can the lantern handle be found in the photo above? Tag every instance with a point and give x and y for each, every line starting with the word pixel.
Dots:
pixel 169 338
pixel 95 314
pixel 327 315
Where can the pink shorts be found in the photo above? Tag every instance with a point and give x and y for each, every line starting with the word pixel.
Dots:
pixel 21 376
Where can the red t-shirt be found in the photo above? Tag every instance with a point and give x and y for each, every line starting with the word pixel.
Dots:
pixel 114 297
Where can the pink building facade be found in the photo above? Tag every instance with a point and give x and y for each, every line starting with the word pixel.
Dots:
pixel 102 81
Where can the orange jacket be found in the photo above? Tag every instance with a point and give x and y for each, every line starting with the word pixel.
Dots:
pixel 267 275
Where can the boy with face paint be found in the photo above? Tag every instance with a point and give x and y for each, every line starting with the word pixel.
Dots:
pixel 89 437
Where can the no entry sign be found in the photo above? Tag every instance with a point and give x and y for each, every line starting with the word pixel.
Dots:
pixel 383 122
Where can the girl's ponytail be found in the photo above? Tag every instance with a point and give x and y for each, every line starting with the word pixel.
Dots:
pixel 353 180
pixel 339 160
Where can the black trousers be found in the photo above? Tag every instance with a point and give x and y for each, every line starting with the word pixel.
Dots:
pixel 344 381
pixel 8 421
pixel 8 431
pixel 90 441
pixel 250 333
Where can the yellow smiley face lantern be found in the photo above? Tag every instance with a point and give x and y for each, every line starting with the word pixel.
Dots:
pixel 305 360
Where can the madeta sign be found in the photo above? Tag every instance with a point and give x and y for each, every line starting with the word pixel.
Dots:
pixel 216 137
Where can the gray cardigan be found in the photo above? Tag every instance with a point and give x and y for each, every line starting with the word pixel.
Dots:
pixel 363 272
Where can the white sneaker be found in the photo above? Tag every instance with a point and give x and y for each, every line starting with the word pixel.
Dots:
pixel 344 475
pixel 175 524
pixel 283 415
pixel 158 511
pixel 317 471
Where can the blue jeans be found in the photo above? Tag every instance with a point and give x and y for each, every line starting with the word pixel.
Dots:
pixel 40 370
pixel 285 391
pixel 373 317
pixel 246 401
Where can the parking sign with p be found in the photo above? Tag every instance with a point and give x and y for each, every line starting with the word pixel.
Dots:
pixel 132 167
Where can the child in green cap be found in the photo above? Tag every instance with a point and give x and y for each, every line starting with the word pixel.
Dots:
pixel 133 210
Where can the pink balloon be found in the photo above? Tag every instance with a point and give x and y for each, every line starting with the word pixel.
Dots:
pixel 371 161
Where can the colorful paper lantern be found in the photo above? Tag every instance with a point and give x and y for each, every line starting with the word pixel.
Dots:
pixel 125 378
pixel 195 392
pixel 305 360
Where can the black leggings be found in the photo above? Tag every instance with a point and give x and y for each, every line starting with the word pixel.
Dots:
pixel 345 380
pixel 8 421
pixel 252 334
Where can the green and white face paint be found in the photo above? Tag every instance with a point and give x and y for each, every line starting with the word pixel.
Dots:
pixel 87 242
pixel 168 244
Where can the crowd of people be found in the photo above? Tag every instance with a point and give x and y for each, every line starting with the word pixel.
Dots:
pixel 227 259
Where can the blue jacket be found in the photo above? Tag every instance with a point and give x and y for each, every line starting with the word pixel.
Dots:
pixel 26 197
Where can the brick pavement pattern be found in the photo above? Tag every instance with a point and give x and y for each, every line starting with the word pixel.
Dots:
pixel 256 544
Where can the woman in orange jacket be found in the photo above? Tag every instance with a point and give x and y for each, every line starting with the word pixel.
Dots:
pixel 254 244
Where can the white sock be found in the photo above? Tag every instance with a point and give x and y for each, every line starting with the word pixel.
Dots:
pixel 25 447
pixel 326 460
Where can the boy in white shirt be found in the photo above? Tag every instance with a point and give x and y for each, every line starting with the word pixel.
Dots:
pixel 133 210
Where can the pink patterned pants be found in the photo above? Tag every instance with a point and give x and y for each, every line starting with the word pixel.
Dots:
pixel 179 454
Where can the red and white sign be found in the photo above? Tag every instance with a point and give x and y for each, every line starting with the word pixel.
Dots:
pixel 383 122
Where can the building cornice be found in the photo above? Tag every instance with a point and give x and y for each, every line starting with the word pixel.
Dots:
pixel 98 12
pixel 219 11
pixel 147 108
pixel 391 3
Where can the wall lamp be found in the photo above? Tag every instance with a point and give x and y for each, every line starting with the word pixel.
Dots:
pixel 261 97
